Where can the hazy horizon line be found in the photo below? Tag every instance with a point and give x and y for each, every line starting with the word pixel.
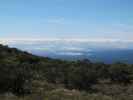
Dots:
pixel 94 39
pixel 62 38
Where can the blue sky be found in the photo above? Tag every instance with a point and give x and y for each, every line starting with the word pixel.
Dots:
pixel 66 18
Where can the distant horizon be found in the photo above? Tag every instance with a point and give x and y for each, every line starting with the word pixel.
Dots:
pixel 66 38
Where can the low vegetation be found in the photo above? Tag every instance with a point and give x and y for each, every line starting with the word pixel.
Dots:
pixel 24 76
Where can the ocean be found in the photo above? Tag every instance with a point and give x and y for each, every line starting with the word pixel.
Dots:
pixel 95 51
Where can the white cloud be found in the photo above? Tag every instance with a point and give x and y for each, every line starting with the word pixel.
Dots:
pixel 70 53
pixel 28 40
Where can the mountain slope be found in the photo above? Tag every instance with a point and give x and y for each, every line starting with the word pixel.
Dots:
pixel 24 74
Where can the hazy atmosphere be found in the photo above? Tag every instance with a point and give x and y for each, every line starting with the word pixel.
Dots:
pixel 66 49
pixel 69 29
pixel 66 18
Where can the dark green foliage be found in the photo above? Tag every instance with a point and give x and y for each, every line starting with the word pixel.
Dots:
pixel 121 73
pixel 81 76
pixel 19 69
pixel 13 77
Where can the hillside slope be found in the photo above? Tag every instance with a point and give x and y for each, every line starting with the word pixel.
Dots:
pixel 30 76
